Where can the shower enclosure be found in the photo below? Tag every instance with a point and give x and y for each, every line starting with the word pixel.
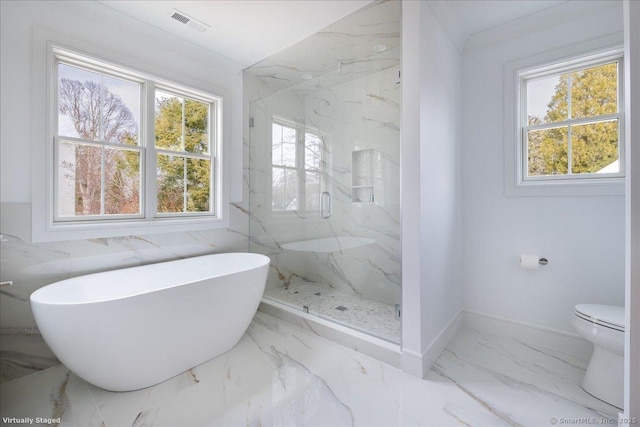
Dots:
pixel 323 182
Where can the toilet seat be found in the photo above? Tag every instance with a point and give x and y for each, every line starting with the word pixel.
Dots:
pixel 603 315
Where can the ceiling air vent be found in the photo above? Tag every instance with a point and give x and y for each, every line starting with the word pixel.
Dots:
pixel 188 20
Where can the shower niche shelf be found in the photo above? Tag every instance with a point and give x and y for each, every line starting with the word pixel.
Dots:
pixel 362 176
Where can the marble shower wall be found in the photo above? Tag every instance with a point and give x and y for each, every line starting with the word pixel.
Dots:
pixel 361 121
pixel 33 265
pixel 353 102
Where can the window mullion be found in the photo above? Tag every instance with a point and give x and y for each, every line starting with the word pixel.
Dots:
pixel 300 147
pixel 100 104
pixel 147 141
pixel 569 153
pixel 184 101
pixel 619 109
pixel 184 183
pixel 102 179
pixel 185 153
pixel 569 84
pixel 569 117
pixel 573 122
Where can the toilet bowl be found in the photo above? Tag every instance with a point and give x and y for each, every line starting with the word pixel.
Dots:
pixel 603 325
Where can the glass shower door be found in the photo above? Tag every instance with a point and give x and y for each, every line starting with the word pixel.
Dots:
pixel 284 187
pixel 324 185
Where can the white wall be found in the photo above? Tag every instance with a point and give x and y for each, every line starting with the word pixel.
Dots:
pixel 440 178
pixel 632 273
pixel 583 237
pixel 432 282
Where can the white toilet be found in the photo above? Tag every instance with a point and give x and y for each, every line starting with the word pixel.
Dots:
pixel 603 325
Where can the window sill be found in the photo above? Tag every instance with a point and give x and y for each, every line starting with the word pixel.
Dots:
pixel 94 230
pixel 567 187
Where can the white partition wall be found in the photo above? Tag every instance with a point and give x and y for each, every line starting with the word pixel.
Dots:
pixel 632 99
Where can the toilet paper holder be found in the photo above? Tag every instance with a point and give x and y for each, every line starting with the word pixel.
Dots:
pixel 543 261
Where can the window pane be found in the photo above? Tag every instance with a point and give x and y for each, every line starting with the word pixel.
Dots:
pixel 121 110
pixel 291 190
pixel 277 189
pixel 196 126
pixel 312 151
pixel 594 148
pixel 198 187
pixel 289 147
pixel 283 146
pixel 79 179
pixel 79 94
pixel 276 145
pixel 170 183
pixel 122 181
pixel 594 91
pixel 168 121
pixel 547 152
pixel 547 100
pixel 312 191
pixel 96 106
pixel 284 194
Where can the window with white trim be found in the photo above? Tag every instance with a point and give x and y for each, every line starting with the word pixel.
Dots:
pixel 296 161
pixel 570 120
pixel 128 146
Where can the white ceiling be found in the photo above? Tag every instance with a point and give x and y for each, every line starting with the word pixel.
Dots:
pixel 245 31
pixel 248 31
pixel 464 18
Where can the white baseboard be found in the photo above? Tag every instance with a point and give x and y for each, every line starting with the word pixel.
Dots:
pixel 528 333
pixel 412 363
pixel 417 364
pixel 437 346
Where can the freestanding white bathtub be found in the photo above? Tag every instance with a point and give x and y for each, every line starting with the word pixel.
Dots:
pixel 132 328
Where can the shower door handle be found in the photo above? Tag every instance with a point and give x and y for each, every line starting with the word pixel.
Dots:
pixel 325 205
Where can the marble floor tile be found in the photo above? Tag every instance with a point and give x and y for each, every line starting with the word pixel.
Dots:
pixel 279 375
pixel 22 352
pixel 519 384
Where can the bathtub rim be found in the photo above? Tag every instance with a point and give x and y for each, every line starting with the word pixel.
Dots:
pixel 43 295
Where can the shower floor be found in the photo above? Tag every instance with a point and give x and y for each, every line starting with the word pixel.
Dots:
pixel 351 310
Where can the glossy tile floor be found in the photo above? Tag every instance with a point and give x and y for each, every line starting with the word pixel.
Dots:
pixel 278 375
pixel 354 311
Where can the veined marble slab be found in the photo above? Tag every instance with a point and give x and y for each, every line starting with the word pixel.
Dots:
pixel 279 375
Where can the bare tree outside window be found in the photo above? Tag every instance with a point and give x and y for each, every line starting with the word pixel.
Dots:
pixel 97 114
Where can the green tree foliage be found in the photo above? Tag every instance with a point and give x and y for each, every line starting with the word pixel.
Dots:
pixel 593 145
pixel 177 120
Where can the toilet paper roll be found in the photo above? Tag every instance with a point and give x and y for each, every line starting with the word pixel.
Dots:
pixel 529 262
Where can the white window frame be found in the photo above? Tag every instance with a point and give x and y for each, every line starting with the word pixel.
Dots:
pixel 563 60
pixel 45 226
pixel 300 167
pixel 63 57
